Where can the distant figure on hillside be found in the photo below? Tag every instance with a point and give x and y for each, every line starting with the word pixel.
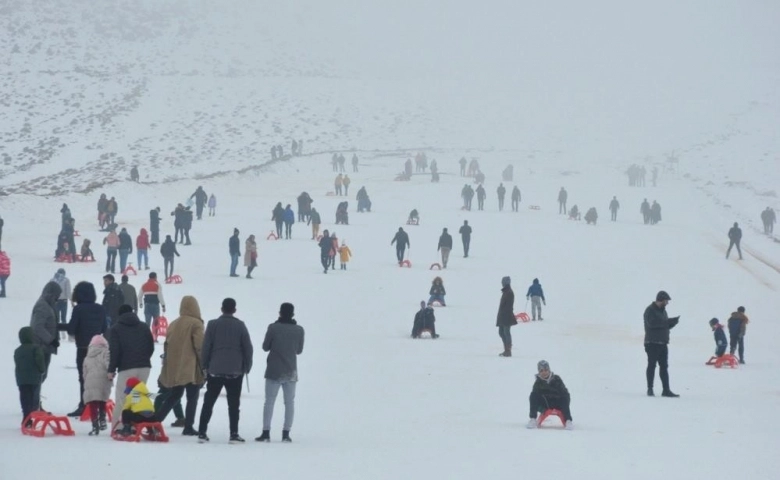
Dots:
pixel 445 245
pixel 574 213
pixel 768 218
pixel 614 205
pixel 536 295
pixel 134 177
pixel 735 237
pixel 401 241
pixel 424 320
pixel 154 225
pixel 462 163
pixel 277 216
pixel 506 316
pixel 200 201
pixel 563 195
pixel 465 236
pixel 212 205
pixel 501 192
pixel 549 391
pixel 481 197
pixel 516 197
pixel 414 217
pixel 591 217
pixel 342 162
pixel 294 148
pixel 645 211
pixel 737 327
pixel 354 162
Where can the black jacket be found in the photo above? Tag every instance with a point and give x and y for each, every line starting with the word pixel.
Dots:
pixel 735 234
pixel 154 219
pixel 401 240
pixel 465 231
pixel 506 308
pixel 553 386
pixel 168 249
pixel 326 245
pixel 424 318
pixel 130 344
pixel 113 298
pixel 234 245
pixel 125 241
pixel 658 324
pixel 445 241
pixel 88 318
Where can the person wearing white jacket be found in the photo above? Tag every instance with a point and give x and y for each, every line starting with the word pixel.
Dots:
pixel 61 307
pixel 97 386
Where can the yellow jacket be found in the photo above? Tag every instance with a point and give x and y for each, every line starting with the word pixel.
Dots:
pixel 344 253
pixel 139 400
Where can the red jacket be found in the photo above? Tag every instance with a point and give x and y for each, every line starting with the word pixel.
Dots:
pixel 142 241
pixel 5 265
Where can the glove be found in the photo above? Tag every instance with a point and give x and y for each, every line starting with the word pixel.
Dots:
pixel 55 343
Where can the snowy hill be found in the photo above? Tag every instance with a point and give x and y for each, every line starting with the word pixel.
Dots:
pixel 196 92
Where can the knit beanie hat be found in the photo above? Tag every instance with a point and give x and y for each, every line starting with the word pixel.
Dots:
pixel 542 365
pixel 287 310
pixel 713 322
pixel 505 281
pixel 132 382
pixel 98 340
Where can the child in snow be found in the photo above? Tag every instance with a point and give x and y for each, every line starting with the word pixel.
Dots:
pixel 138 407
pixel 344 254
pixel 437 292
pixel 548 392
pixel 536 295
pixel 97 386
pixel 574 213
pixel 86 252
pixel 720 337
pixel 212 205
pixel 424 319
pixel 28 358
pixel 334 250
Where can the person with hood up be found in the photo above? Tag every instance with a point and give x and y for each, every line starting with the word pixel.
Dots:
pixel 234 248
pixel 437 292
pixel 501 192
pixel 61 307
pixel 154 225
pixel 66 215
pixel 401 241
pixel 445 246
pixel 326 245
pixel 250 255
pixel 97 386
pixel 344 255
pixel 142 246
pixel 128 292
pixel 43 322
pixel 737 327
pixel 29 369
pixel 112 243
pixel 131 346
pixel 536 295
pixel 5 271
pixel 87 320
pixel 506 316
pixel 424 319
pixel 113 298
pixel 277 215
pixel 125 248
pixel 181 369
pixel 283 342
pixel 614 206
pixel 289 219
pixel 735 237
pixel 549 391
pixel 516 199
pixel 720 337
pixel 212 205
pixel 168 250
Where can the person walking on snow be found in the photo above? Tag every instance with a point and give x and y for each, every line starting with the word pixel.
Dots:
pixel 142 246
pixel 234 247
pixel 338 183
pixel 112 246
pixel 212 205
pixel 563 195
pixel 283 342
pixel 614 205
pixel 334 250
pixel 200 201
pixel 735 237
pixel 548 391
pixel 536 295
pixel 168 250
pixel 277 215
pixel 481 197
pixel 250 255
pixel 401 241
pixel 325 244
pixel 151 300
pixel 465 236
pixel 125 249
pixel 154 226
pixel 501 191
pixel 289 219
pixel 315 221
pixel 657 326
pixel 445 245
pixel 506 316
pixel 87 320
pixel 5 271
pixel 515 199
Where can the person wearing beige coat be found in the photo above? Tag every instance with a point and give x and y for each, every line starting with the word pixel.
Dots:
pixel 250 255
pixel 181 369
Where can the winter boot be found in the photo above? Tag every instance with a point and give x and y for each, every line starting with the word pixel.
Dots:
pixel 77 412
pixel 178 423
pixel 532 423
pixel 265 437
pixel 95 428
pixel 507 351
pixel 203 438
pixel 102 425
pixel 286 436
pixel 650 392
pixel 126 430
pixel 235 439
pixel 669 394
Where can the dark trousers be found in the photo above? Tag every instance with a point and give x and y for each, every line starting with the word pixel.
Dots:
pixel 657 353
pixel 61 309
pixel 2 285
pixel 540 403
pixel 130 417
pixel 515 205
pixel 213 389
pixel 30 398
pixel 199 210
pixel 279 228
pixel 400 252
pixel 466 244
pixel 81 354
pixel 614 215
pixel 737 344
pixel 179 232
pixel 506 335
pixel 288 231
pixel 500 204
pixel 160 399
pixel 155 236
pixel 173 398
pixel 732 244
pixel 111 260
pixel 561 207
pixel 168 266
pixel 480 203
pixel 325 260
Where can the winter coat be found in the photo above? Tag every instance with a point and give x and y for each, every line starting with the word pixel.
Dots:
pixel 501 191
pixel 168 249
pixel 738 323
pixel 465 231
pixel 516 194
pixel 130 344
pixel 154 219
pixel 44 320
pixel 130 297
pixel 113 298
pixel 181 364
pixel 28 359
pixel 250 253
pixel 658 324
pixel 289 216
pixel 5 265
pixel 445 241
pixel 334 246
pixel 64 284
pixel 125 241
pixel 614 205
pixel 437 289
pixel 97 386
pixel 506 308
pixel 151 293
pixel 535 290
pixel 277 214
pixel 326 245
pixel 142 240
pixel 401 238
pixel 562 195
pixel 88 318
pixel 212 201
pixel 552 386
pixel 139 400
pixel 234 245
pixel 424 318
pixel 720 338
pixel 315 218
pixel 227 347
pixel 344 254
pixel 283 342
pixel 735 234
pixel 111 240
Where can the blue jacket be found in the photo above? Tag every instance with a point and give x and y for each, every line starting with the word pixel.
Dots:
pixel 720 340
pixel 535 290
pixel 289 215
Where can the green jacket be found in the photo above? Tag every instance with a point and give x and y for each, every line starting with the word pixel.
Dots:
pixel 28 358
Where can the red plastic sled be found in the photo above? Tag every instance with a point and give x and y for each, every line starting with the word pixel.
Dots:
pixel 523 317
pixel 87 415
pixel 549 412
pixel 129 270
pixel 436 266
pixel 40 420
pixel 405 263
pixel 272 236
pixel 160 328
pixel 149 431
pixel 727 360
pixel 174 279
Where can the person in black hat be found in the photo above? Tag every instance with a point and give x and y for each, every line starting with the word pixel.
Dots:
pixel 657 326
pixel 720 337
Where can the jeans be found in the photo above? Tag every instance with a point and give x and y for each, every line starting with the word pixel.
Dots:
pixel 61 309
pixel 271 390
pixel 213 389
pixel 437 298
pixel 536 307
pixel 540 403
pixel 505 334
pixel 111 259
pixel 325 260
pixel 737 344
pixel 288 231
pixel 466 244
pixel 657 353
pixel 143 254
pixel 732 243
pixel 614 215
pixel 174 395
pixel 168 263
pixel 151 312
pixel 29 398
pixel 445 256
pixel 123 253
pixel 400 253
pixel 279 228
pixel 233 263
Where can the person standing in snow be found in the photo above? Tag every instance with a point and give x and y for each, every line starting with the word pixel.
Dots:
pixel 337 184
pixel 536 295
pixel 501 191
pixel 563 195
pixel 62 303
pixel 344 254
pixel 401 241
pixel 154 225
pixel 481 194
pixel 43 321
pixel 737 326
pixel 168 250
pixel 657 326
pixel 334 250
pixel 112 246
pixel 277 215
pixel 200 201
pixel 125 248
pixel 87 320
pixel 283 342
pixel 150 298
pixel 549 391
pixel 289 219
pixel 212 205
pixel 113 298
pixel 720 337
pixel 644 209
pixel 346 181
pixel 316 221
pixel 29 370
pixel 515 199
pixel 505 319
pixel 128 292
pixel 234 248
pixel 614 205
pixel 142 246
pixel 445 245
pixel 250 255
pixel 326 245
pixel 735 237
pixel 354 162
pixel 462 163
pixel 5 271
pixel 465 236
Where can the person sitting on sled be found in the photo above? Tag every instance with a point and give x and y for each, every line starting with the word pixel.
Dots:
pixel 548 392
pixel 437 292
pixel 424 319
pixel 414 218
pixel 138 407
pixel 720 337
